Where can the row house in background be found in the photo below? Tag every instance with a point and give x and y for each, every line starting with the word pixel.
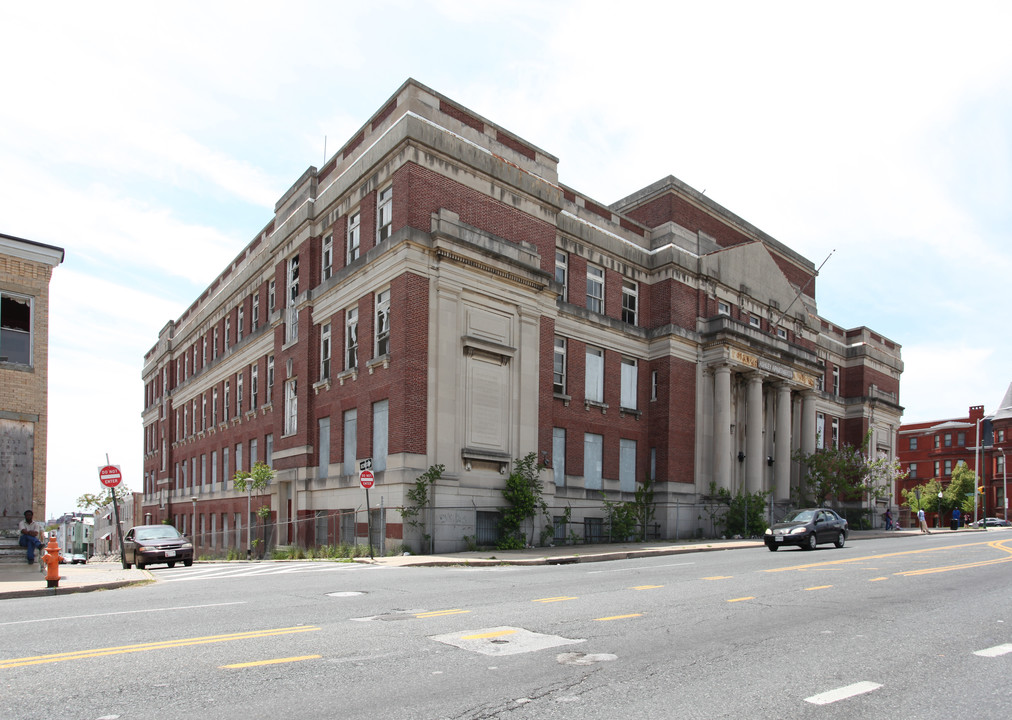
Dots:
pixel 433 295
pixel 931 451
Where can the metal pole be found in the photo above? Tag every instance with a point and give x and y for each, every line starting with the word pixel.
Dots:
pixel 368 520
pixel 1004 492
pixel 976 460
pixel 119 527
pixel 249 524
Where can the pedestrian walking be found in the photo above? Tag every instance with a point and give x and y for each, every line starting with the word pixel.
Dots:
pixel 889 519
pixel 955 518
pixel 922 521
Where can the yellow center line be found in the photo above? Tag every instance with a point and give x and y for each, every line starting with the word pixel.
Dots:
pixel 819 587
pixel 878 579
pixel 143 647
pixel 441 613
pixel 646 587
pixel 618 617
pixel 277 661
pixel 995 544
pixel 555 599
pixel 750 597
pixel 497 633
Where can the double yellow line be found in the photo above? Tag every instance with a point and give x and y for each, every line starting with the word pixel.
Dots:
pixel 144 647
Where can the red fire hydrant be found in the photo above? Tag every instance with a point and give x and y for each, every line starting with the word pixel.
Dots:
pixel 52 561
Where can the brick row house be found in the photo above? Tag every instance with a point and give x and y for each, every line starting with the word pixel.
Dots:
pixel 433 295
pixel 931 450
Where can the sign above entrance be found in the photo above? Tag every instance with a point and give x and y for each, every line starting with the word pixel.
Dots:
pixel 772 367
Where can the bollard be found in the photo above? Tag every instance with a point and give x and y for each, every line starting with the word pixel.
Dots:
pixel 52 561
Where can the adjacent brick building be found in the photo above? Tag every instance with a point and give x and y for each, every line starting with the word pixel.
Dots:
pixel 434 295
pixel 26 268
pixel 931 450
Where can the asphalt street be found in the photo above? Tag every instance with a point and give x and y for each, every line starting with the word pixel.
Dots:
pixel 908 627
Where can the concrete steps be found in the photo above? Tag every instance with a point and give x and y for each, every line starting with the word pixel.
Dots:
pixel 10 551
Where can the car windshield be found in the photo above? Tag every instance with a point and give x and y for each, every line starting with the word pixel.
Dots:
pixel 157 533
pixel 799 516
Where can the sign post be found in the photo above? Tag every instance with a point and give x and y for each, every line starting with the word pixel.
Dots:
pixel 110 476
pixel 366 479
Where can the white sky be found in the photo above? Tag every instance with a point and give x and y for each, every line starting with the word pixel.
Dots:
pixel 151 142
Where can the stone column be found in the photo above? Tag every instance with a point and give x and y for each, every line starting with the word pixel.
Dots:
pixel 807 433
pixel 782 450
pixel 722 426
pixel 754 456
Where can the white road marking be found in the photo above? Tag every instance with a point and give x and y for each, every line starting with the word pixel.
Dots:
pixel 640 567
pixel 843 693
pixel 224 573
pixel 123 612
pixel 995 651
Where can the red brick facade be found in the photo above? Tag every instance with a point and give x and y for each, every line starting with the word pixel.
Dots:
pixel 465 279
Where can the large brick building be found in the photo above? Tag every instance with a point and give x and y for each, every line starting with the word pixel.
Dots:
pixel 931 451
pixel 434 295
pixel 26 268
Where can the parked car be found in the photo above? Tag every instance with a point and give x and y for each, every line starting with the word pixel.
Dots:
pixel 991 522
pixel 807 528
pixel 148 544
pixel 78 559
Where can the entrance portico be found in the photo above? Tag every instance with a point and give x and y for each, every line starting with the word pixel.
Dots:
pixel 747 389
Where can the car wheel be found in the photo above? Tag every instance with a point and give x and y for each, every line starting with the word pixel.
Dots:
pixel 172 564
pixel 840 539
pixel 773 548
pixel 188 563
pixel 810 542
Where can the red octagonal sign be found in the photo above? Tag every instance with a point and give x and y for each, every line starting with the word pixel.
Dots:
pixel 110 476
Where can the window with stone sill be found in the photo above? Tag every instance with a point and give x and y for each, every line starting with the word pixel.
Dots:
pixel 327 259
pixel 384 213
pixel 382 323
pixel 595 289
pixel 354 237
pixel 15 329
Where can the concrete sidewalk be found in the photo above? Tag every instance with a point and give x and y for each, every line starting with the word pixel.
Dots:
pixel 23 580
pixel 571 554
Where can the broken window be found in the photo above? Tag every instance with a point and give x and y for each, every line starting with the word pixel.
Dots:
pixel 15 329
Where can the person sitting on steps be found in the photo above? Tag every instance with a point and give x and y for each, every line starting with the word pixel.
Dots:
pixel 30 537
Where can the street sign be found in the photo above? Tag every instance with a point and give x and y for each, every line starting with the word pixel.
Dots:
pixel 366 478
pixel 110 476
pixel 365 464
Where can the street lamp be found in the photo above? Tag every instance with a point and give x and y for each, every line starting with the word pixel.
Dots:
pixel 1004 473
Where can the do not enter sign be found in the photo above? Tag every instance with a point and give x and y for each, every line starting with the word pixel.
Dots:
pixel 110 476
pixel 366 478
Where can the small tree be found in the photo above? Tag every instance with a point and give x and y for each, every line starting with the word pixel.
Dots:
pixel 256 481
pixel 525 497
pixel 846 473
pixel 630 519
pixel 418 499
pixel 93 501
pixel 960 492
pixel 923 497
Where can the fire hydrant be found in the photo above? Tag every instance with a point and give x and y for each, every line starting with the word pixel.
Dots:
pixel 52 561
